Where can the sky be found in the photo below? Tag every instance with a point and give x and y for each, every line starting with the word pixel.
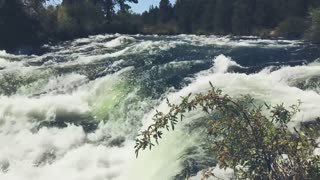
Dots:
pixel 145 4
pixel 138 8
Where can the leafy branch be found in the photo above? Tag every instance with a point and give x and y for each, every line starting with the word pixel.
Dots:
pixel 245 139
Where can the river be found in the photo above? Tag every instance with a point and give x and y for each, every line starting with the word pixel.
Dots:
pixel 74 112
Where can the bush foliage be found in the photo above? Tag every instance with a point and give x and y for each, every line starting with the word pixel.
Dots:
pixel 254 140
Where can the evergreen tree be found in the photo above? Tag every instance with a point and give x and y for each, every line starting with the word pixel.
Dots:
pixel 108 6
pixel 202 15
pixel 16 25
pixel 222 16
pixel 184 12
pixel 165 11
pixel 123 5
pixel 151 17
pixel 242 19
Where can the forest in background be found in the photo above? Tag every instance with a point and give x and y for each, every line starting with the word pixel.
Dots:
pixel 26 23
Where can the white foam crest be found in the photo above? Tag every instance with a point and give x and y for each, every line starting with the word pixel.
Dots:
pixel 223 63
pixel 176 65
pixel 101 37
pixel 65 82
pixel 10 62
pixel 89 39
pixel 228 41
pixel 289 75
pixel 85 59
pixel 4 54
pixel 119 41
pixel 152 47
pixel 19 107
pixel 10 65
pixel 96 42
pixel 81 41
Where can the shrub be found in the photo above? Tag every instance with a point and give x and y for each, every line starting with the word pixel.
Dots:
pixel 292 27
pixel 247 140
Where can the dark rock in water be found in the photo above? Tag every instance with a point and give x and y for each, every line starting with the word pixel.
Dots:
pixel 63 119
pixel 118 141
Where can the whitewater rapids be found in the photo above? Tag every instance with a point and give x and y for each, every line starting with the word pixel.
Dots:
pixel 74 112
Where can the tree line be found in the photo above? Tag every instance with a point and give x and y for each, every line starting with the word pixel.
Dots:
pixel 34 22
pixel 240 17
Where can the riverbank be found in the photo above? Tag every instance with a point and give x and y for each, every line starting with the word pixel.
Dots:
pixel 36 24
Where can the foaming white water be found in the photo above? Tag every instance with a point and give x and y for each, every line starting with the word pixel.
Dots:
pixel 273 87
pixel 60 84
pixel 90 59
pixel 222 64
pixel 150 47
pixel 87 162
pixel 228 41
pixel 33 152
pixel 42 154
pixel 12 65
pixel 47 153
pixel 10 62
pixel 119 41
pixel 96 38
pixel 4 54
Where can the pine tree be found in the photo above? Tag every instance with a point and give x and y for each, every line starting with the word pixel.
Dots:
pixel 184 12
pixel 165 11
pixel 242 19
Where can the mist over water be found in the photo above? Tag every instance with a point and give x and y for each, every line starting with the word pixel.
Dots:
pixel 74 112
